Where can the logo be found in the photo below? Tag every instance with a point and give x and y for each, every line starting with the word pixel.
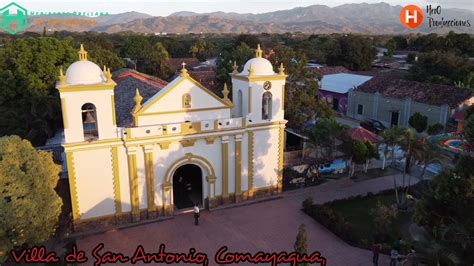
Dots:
pixel 411 16
pixel 13 18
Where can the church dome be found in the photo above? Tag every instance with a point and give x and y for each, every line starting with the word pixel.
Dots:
pixel 260 65
pixel 84 73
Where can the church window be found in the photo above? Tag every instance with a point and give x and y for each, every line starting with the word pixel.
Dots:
pixel 186 100
pixel 89 121
pixel 267 106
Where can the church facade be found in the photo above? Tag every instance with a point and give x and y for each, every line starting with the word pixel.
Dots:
pixel 182 146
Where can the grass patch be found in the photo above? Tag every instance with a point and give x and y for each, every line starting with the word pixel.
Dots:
pixel 352 219
pixel 358 213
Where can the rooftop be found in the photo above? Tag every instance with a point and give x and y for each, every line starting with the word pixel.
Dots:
pixel 432 94
pixel 127 82
pixel 342 82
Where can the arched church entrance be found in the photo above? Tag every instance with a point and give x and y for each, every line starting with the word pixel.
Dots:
pixel 187 186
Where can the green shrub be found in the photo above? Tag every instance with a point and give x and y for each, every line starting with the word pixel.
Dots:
pixel 435 129
pixel 418 122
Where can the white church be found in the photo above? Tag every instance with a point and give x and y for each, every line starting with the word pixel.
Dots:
pixel 184 145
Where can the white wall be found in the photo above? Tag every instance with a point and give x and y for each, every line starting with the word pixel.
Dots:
pixel 266 157
pixel 172 98
pixel 94 182
pixel 102 99
pixel 182 117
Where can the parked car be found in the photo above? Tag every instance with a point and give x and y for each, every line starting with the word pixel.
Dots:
pixel 373 125
pixel 336 167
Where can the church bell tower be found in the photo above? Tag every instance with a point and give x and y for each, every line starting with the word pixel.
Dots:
pixel 87 101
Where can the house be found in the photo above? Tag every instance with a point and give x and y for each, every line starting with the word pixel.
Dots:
pixel 138 148
pixel 334 88
pixel 393 101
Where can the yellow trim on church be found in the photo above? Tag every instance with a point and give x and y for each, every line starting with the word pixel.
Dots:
pixel 74 88
pixel 147 105
pixel 258 78
pixel 150 180
pixel 114 119
pixel 250 163
pixel 134 197
pixel 64 111
pixel 238 166
pixel 72 185
pixel 187 111
pixel 225 169
pixel 116 174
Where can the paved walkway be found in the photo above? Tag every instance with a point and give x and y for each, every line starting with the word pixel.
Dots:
pixel 267 226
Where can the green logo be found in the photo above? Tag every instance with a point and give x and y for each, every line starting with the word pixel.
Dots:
pixel 13 18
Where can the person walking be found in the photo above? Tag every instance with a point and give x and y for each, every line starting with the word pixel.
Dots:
pixel 196 214
pixel 376 247
pixel 393 257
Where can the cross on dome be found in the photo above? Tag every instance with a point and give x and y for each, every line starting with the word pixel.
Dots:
pixel 184 71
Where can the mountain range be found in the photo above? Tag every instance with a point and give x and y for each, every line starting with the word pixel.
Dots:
pixel 380 18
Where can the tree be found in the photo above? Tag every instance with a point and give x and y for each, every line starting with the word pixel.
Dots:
pixel 447 211
pixel 202 49
pixel 435 129
pixel 469 130
pixel 28 73
pixel 105 57
pixel 391 47
pixel 441 67
pixel 390 140
pixel 30 207
pixel 301 243
pixel 383 217
pixel 228 54
pixel 418 122
pixel 410 146
pixel 356 53
pixel 250 40
pixel 137 48
pixel 157 61
pixel 325 134
pixel 426 155
pixel 372 153
pixel 359 152
pixel 301 89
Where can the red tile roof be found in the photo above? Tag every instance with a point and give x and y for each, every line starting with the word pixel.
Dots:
pixel 433 94
pixel 176 63
pixel 127 82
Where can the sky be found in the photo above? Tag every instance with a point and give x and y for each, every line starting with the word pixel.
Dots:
pixel 166 7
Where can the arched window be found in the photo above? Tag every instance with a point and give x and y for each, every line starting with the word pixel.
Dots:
pixel 89 121
pixel 240 104
pixel 267 106
pixel 186 100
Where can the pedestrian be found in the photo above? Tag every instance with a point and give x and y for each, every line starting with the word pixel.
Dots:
pixel 376 248
pixel 393 257
pixel 412 257
pixel 196 214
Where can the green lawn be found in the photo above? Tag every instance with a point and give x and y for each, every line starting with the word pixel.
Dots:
pixel 358 213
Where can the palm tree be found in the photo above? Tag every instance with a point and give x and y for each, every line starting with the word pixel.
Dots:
pixel 408 143
pixel 325 134
pixel 391 137
pixel 425 154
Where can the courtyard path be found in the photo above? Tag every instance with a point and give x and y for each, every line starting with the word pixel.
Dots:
pixel 267 226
